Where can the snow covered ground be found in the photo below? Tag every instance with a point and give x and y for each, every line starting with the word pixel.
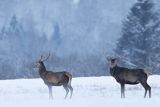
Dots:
pixel 88 92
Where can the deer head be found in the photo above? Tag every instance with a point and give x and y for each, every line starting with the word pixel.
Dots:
pixel 39 63
pixel 112 61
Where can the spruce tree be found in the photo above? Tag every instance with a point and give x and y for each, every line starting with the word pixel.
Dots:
pixel 55 39
pixel 138 34
pixel 56 36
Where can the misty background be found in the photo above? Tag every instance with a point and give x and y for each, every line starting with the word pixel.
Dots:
pixel 79 34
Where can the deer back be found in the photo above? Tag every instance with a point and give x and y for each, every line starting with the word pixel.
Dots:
pixel 128 75
pixel 56 77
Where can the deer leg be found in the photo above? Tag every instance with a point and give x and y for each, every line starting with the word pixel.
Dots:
pixel 67 90
pixel 149 89
pixel 145 92
pixel 122 90
pixel 145 87
pixel 71 89
pixel 50 92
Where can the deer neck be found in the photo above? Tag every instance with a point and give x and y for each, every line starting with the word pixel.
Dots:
pixel 113 70
pixel 42 70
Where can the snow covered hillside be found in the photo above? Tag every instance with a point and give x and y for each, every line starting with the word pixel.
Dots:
pixel 88 91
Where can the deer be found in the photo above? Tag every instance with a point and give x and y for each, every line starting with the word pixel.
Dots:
pixel 51 78
pixel 129 76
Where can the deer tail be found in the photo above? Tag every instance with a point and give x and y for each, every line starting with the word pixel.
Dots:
pixel 147 71
pixel 70 77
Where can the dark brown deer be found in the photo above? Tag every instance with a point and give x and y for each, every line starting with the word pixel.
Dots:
pixel 51 78
pixel 129 76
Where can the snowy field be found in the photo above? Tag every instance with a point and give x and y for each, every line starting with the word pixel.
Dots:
pixel 88 92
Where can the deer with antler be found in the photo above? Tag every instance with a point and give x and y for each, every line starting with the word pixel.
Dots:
pixel 50 78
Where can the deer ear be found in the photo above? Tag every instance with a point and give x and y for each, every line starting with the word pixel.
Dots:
pixel 108 58
pixel 41 58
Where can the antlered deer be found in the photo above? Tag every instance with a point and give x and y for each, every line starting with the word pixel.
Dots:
pixel 129 76
pixel 50 78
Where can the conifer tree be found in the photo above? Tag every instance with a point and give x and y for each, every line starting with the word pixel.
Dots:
pixel 139 33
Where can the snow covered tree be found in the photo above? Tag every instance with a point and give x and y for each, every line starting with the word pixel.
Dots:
pixel 2 33
pixel 139 35
pixel 15 29
pixel 56 37
pixel 11 35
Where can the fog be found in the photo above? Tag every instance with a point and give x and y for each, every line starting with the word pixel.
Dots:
pixel 78 34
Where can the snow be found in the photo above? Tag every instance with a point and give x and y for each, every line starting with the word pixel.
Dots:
pixel 88 92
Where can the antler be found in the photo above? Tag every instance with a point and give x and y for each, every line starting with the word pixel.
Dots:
pixel 45 58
